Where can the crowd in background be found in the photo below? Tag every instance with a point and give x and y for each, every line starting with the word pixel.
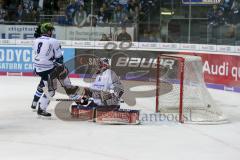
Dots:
pixel 226 13
pixel 223 19
pixel 74 12
pixel 26 10
pixel 81 12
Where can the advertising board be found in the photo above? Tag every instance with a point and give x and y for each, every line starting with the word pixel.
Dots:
pixel 19 59
pixel 23 32
pixel 221 71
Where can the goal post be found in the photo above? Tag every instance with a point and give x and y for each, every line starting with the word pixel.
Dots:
pixel 181 90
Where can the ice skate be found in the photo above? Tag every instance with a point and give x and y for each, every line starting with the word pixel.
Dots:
pixel 43 113
pixel 34 105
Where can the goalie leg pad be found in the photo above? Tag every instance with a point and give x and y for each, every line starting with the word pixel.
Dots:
pixel 88 113
pixel 82 113
pixel 120 116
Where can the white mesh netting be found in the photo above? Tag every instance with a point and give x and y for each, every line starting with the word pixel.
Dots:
pixel 197 103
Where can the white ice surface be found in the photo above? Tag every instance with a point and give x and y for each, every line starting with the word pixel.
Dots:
pixel 23 136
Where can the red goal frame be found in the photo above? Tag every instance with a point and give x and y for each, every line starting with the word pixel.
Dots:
pixel 181 64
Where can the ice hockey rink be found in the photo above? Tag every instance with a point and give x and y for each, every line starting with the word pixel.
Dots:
pixel 23 136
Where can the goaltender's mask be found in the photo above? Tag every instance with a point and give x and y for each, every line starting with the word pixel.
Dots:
pixel 102 65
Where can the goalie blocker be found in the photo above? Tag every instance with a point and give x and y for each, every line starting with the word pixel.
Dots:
pixel 105 115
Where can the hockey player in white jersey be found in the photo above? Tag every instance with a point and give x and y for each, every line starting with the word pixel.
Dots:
pixel 39 90
pixel 48 64
pixel 106 90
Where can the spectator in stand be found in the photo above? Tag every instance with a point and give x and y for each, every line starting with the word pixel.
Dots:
pixel 80 17
pixel 113 4
pixel 216 17
pixel 91 20
pixel 235 13
pixel 102 16
pixel 11 6
pixel 212 15
pixel 104 38
pixel 27 5
pixel 71 8
pixel 126 20
pixel 133 9
pixel 20 14
pixel 132 4
pixel 118 15
pixel 2 13
pixel 124 4
pixel 227 5
pixel 105 6
pixel 79 3
pixel 33 16
pixel 124 36
pixel 48 7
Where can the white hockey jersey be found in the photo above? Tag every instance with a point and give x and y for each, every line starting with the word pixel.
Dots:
pixel 107 81
pixel 46 50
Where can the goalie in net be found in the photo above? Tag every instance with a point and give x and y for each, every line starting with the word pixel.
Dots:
pixel 101 101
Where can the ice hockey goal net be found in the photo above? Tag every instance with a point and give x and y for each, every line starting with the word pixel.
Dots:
pixel 181 90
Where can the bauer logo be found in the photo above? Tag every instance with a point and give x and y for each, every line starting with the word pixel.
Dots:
pixel 143 62
pixel 136 62
pixel 140 68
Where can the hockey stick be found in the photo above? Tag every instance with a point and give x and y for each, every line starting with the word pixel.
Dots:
pixel 77 100
pixel 65 99
pixel 69 100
